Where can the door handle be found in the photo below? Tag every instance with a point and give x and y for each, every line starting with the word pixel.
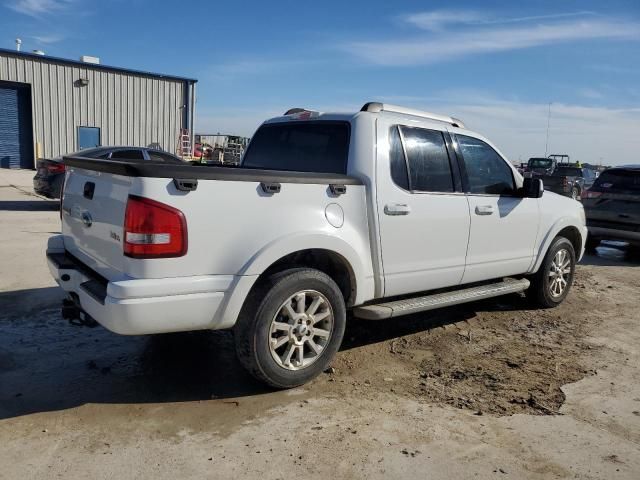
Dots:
pixel 397 209
pixel 484 209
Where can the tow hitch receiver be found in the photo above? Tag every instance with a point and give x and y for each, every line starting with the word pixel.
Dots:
pixel 71 311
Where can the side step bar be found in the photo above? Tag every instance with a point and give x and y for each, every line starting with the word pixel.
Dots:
pixel 407 306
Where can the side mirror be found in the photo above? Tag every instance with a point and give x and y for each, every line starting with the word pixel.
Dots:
pixel 532 188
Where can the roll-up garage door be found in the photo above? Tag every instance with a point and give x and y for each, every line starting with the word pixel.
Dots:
pixel 16 144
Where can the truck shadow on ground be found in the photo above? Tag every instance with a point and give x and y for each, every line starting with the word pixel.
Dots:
pixel 29 205
pixel 48 365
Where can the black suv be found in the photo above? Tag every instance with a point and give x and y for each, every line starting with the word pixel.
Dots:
pixel 612 207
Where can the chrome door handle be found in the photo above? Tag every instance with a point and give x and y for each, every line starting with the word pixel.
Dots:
pixel 397 209
pixel 484 209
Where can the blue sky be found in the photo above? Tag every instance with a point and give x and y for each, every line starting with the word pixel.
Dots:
pixel 494 64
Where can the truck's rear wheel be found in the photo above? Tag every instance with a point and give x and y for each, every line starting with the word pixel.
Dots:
pixel 290 327
pixel 591 244
pixel 551 284
pixel 575 193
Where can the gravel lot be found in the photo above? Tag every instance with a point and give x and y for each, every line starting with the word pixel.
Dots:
pixel 488 390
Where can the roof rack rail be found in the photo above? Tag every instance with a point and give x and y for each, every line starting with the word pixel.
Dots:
pixel 377 107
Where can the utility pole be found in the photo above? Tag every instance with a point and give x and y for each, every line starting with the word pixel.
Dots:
pixel 546 144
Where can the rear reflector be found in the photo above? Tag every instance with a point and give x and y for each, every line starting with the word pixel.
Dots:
pixel 153 229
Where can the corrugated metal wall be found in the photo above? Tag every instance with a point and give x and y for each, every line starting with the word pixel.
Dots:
pixel 129 109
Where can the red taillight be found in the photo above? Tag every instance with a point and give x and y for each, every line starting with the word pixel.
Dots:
pixel 592 194
pixel 55 168
pixel 153 229
pixel 64 180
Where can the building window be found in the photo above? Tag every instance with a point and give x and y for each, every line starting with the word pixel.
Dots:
pixel 88 137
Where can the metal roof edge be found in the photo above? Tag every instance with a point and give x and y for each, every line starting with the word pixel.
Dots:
pixel 98 66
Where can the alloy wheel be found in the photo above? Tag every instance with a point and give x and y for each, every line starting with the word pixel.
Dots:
pixel 301 329
pixel 559 272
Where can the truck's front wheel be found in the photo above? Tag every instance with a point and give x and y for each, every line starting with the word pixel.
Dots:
pixel 551 284
pixel 290 327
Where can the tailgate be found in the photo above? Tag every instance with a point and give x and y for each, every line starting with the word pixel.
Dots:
pixel 93 209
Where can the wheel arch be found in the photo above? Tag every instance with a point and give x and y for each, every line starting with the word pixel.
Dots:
pixel 329 254
pixel 564 227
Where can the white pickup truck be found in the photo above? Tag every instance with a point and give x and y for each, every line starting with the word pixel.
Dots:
pixel 384 212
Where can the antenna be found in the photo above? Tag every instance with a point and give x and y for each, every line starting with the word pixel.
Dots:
pixel 546 144
pixel 18 44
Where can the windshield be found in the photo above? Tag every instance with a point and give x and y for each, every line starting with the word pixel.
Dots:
pixel 619 179
pixel 321 147
pixel 540 163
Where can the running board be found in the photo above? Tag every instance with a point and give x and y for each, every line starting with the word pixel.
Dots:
pixel 407 306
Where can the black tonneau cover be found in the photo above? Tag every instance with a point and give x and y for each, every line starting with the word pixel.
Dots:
pixel 146 168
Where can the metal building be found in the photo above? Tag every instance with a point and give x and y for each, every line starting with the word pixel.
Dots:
pixel 51 106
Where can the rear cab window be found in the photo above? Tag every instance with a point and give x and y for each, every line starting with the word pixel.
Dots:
pixel 320 146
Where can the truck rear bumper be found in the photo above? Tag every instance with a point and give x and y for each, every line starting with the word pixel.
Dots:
pixel 145 306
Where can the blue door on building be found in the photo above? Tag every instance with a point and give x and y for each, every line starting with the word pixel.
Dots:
pixel 16 137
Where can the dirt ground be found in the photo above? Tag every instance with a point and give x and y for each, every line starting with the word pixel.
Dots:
pixel 487 390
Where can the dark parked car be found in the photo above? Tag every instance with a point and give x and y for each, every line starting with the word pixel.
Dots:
pixel 612 207
pixel 569 180
pixel 50 172
pixel 560 175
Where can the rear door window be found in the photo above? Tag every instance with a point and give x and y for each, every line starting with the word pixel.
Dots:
pixel 321 147
pixel 398 162
pixel 428 160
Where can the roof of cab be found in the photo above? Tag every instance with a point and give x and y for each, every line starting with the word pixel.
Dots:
pixel 298 113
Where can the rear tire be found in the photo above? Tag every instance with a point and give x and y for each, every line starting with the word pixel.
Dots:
pixel 552 282
pixel 633 252
pixel 290 327
pixel 591 244
pixel 575 193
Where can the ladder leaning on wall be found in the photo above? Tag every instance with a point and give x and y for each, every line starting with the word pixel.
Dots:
pixel 184 144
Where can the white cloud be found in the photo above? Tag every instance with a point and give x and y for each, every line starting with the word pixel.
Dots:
pixel 518 129
pixel 258 67
pixel 37 8
pixel 48 39
pixel 439 19
pixel 590 93
pixel 234 121
pixel 588 134
pixel 454 45
pixel 245 121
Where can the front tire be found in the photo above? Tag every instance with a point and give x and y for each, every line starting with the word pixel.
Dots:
pixel 551 284
pixel 290 327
